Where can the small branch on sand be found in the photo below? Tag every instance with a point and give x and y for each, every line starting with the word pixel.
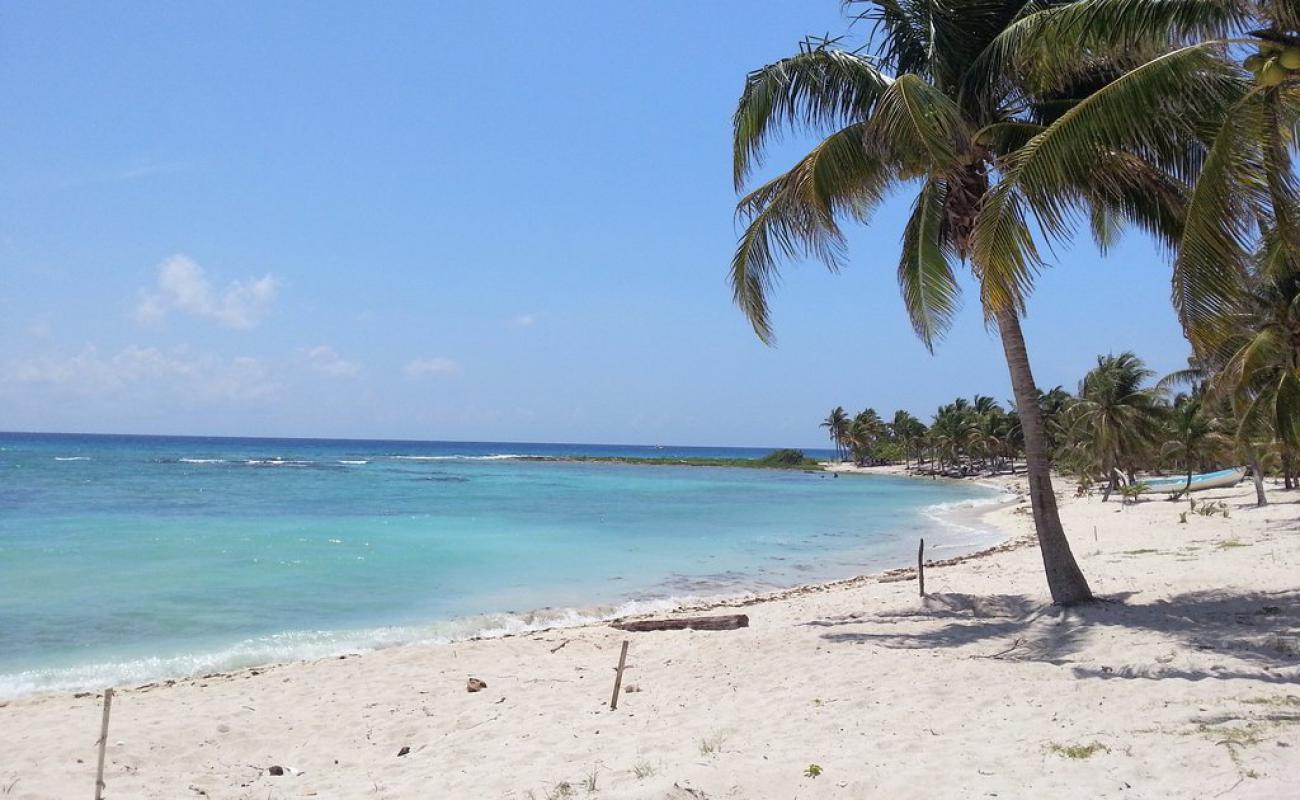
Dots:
pixel 560 646
pixel 1015 646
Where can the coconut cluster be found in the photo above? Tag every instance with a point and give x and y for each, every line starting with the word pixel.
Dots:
pixel 1274 63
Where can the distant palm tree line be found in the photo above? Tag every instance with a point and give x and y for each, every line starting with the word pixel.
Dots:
pixel 1117 426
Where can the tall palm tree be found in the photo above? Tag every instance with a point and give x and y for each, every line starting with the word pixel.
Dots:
pixel 1237 268
pixel 837 427
pixel 1117 418
pixel 945 101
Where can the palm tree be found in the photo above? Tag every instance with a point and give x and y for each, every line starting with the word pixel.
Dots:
pixel 951 98
pixel 1238 261
pixel 864 432
pixel 908 430
pixel 837 427
pixel 952 432
pixel 1194 438
pixel 1116 418
pixel 947 101
pixel 1257 362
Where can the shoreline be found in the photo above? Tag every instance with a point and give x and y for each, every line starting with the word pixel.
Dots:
pixel 1198 644
pixel 511 624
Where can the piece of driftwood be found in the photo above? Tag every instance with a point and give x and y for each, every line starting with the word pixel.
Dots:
pixel 618 676
pixel 724 622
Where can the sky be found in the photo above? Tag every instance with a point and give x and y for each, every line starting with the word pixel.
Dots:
pixel 477 221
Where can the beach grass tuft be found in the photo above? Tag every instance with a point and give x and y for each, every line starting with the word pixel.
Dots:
pixel 712 744
pixel 1077 752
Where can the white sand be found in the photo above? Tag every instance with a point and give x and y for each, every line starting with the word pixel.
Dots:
pixel 1188 682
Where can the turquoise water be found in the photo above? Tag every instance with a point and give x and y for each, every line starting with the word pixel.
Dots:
pixel 131 558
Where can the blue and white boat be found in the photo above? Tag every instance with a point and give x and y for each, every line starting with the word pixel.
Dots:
pixel 1205 480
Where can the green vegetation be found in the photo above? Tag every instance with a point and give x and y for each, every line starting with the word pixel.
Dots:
pixel 1077 751
pixel 777 459
pixel 787 459
pixel 812 771
pixel 643 770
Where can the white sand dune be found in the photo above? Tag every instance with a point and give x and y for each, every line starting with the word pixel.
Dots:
pixel 1184 684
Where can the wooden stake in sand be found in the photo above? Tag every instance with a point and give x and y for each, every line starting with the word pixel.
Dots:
pixel 618 677
pixel 103 743
pixel 920 566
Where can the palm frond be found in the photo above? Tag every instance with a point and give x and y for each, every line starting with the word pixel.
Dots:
pixel 930 289
pixel 1151 113
pixel 1051 41
pixel 916 125
pixel 794 216
pixel 1212 256
pixel 820 89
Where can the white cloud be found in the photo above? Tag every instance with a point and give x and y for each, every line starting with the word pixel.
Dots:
pixel 324 360
pixel 186 374
pixel 431 367
pixel 524 321
pixel 183 286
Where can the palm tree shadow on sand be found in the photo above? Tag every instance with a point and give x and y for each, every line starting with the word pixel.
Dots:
pixel 1221 634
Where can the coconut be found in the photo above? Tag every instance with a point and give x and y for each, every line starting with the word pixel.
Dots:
pixel 1290 58
pixel 1272 74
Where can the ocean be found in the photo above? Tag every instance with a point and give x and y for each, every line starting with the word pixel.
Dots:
pixel 133 558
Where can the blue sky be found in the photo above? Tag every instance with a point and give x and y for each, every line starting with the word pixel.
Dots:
pixel 487 221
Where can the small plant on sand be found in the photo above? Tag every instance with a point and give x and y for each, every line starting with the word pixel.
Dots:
pixel 1129 493
pixel 562 790
pixel 1077 752
pixel 711 745
pixel 1228 544
pixel 813 771
pixel 1210 509
pixel 1182 517
pixel 589 783
pixel 643 770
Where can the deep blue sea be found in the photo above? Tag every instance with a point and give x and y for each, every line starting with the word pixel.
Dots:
pixel 131 558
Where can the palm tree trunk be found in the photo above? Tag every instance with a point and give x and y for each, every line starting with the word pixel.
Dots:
pixel 1109 471
pixel 1252 459
pixel 1064 578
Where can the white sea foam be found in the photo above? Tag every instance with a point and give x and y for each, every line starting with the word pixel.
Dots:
pixel 201 460
pixel 307 645
pixel 954 515
pixel 353 463
pixel 72 458
pixel 276 462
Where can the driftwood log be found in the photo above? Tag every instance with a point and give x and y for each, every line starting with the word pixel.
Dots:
pixel 725 622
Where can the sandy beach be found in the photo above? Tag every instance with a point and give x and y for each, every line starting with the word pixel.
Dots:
pixel 1183 683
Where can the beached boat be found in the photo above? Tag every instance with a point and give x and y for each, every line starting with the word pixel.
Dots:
pixel 1205 480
